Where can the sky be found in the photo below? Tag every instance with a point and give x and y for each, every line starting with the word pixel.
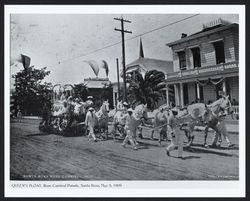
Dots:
pixel 61 42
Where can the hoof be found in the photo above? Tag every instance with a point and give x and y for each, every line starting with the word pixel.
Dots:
pixel 206 145
pixel 167 152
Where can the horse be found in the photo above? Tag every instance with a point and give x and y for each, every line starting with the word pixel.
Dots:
pixel 158 121
pixel 139 113
pixel 103 118
pixel 193 117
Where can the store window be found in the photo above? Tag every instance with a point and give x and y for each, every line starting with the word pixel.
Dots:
pixel 196 57
pixel 182 60
pixel 219 52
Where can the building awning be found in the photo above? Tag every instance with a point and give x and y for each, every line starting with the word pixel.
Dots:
pixel 227 69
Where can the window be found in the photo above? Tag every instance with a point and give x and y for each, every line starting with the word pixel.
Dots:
pixel 219 52
pixel 196 57
pixel 182 60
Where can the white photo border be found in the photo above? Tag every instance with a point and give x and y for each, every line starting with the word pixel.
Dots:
pixel 129 188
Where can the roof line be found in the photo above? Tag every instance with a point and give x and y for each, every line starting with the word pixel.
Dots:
pixel 198 35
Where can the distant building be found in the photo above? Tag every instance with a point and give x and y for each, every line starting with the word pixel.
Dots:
pixel 143 64
pixel 100 89
pixel 205 63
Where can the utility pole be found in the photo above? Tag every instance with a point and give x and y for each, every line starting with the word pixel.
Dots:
pixel 117 63
pixel 123 54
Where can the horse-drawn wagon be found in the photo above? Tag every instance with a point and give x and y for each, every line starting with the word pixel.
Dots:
pixel 65 115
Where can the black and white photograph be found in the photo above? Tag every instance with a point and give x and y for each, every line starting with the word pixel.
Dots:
pixel 123 96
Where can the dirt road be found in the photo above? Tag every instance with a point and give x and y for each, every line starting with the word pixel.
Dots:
pixel 38 156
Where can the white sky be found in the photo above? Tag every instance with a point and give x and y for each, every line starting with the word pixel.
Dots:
pixel 52 38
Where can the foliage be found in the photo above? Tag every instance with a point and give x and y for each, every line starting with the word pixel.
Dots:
pixel 30 93
pixel 81 91
pixel 147 90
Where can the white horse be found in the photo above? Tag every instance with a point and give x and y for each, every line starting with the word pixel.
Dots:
pixel 194 116
pixel 157 120
pixel 102 118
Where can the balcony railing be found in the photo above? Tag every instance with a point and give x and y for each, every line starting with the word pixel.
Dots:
pixel 203 70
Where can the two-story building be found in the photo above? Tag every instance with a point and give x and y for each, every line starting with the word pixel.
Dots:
pixel 205 63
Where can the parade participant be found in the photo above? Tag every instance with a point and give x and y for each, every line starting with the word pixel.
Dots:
pixel 124 112
pixel 125 105
pixel 45 114
pixel 19 115
pixel 64 109
pixel 77 106
pixel 176 135
pixel 129 129
pixel 210 119
pixel 63 96
pixel 221 130
pixel 90 123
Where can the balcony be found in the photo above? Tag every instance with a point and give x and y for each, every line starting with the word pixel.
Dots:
pixel 204 71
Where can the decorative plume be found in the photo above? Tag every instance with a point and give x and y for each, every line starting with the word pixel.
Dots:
pixel 105 66
pixel 94 66
pixel 141 54
pixel 25 61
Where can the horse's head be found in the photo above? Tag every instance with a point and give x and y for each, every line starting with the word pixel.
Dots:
pixel 226 104
pixel 141 111
pixel 119 106
pixel 105 107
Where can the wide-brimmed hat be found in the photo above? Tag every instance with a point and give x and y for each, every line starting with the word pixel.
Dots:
pixel 130 110
pixel 175 111
pixel 90 97
pixel 70 98
pixel 125 103
pixel 91 109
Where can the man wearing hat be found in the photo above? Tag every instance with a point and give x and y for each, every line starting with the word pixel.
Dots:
pixel 129 128
pixel 125 105
pixel 90 123
pixel 177 138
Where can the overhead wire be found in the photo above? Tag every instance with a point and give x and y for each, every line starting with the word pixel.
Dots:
pixel 131 38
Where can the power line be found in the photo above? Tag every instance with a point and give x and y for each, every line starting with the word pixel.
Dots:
pixel 114 44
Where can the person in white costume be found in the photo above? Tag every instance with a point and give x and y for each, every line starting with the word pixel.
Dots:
pixel 90 123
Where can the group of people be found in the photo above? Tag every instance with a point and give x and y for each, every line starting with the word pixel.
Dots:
pixel 210 119
pixel 129 128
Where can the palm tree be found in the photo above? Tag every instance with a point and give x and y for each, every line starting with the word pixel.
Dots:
pixel 147 90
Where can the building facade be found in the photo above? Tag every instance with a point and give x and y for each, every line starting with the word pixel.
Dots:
pixel 100 89
pixel 204 64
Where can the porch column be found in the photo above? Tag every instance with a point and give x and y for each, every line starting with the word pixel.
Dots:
pixel 224 86
pixel 181 95
pixel 176 93
pixel 167 98
pixel 114 98
pixel 198 90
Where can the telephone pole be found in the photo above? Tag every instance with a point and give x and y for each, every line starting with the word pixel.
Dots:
pixel 118 72
pixel 123 54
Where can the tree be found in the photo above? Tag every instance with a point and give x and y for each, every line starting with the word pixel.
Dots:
pixel 81 91
pixel 30 93
pixel 147 90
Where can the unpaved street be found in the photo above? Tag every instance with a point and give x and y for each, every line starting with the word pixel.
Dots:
pixel 39 156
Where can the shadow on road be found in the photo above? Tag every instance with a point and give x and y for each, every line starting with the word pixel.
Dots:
pixel 218 148
pixel 187 157
pixel 209 151
pixel 39 134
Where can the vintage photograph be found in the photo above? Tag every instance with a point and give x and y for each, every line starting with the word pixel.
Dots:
pixel 127 97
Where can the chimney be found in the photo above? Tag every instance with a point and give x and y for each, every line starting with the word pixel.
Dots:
pixel 183 35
